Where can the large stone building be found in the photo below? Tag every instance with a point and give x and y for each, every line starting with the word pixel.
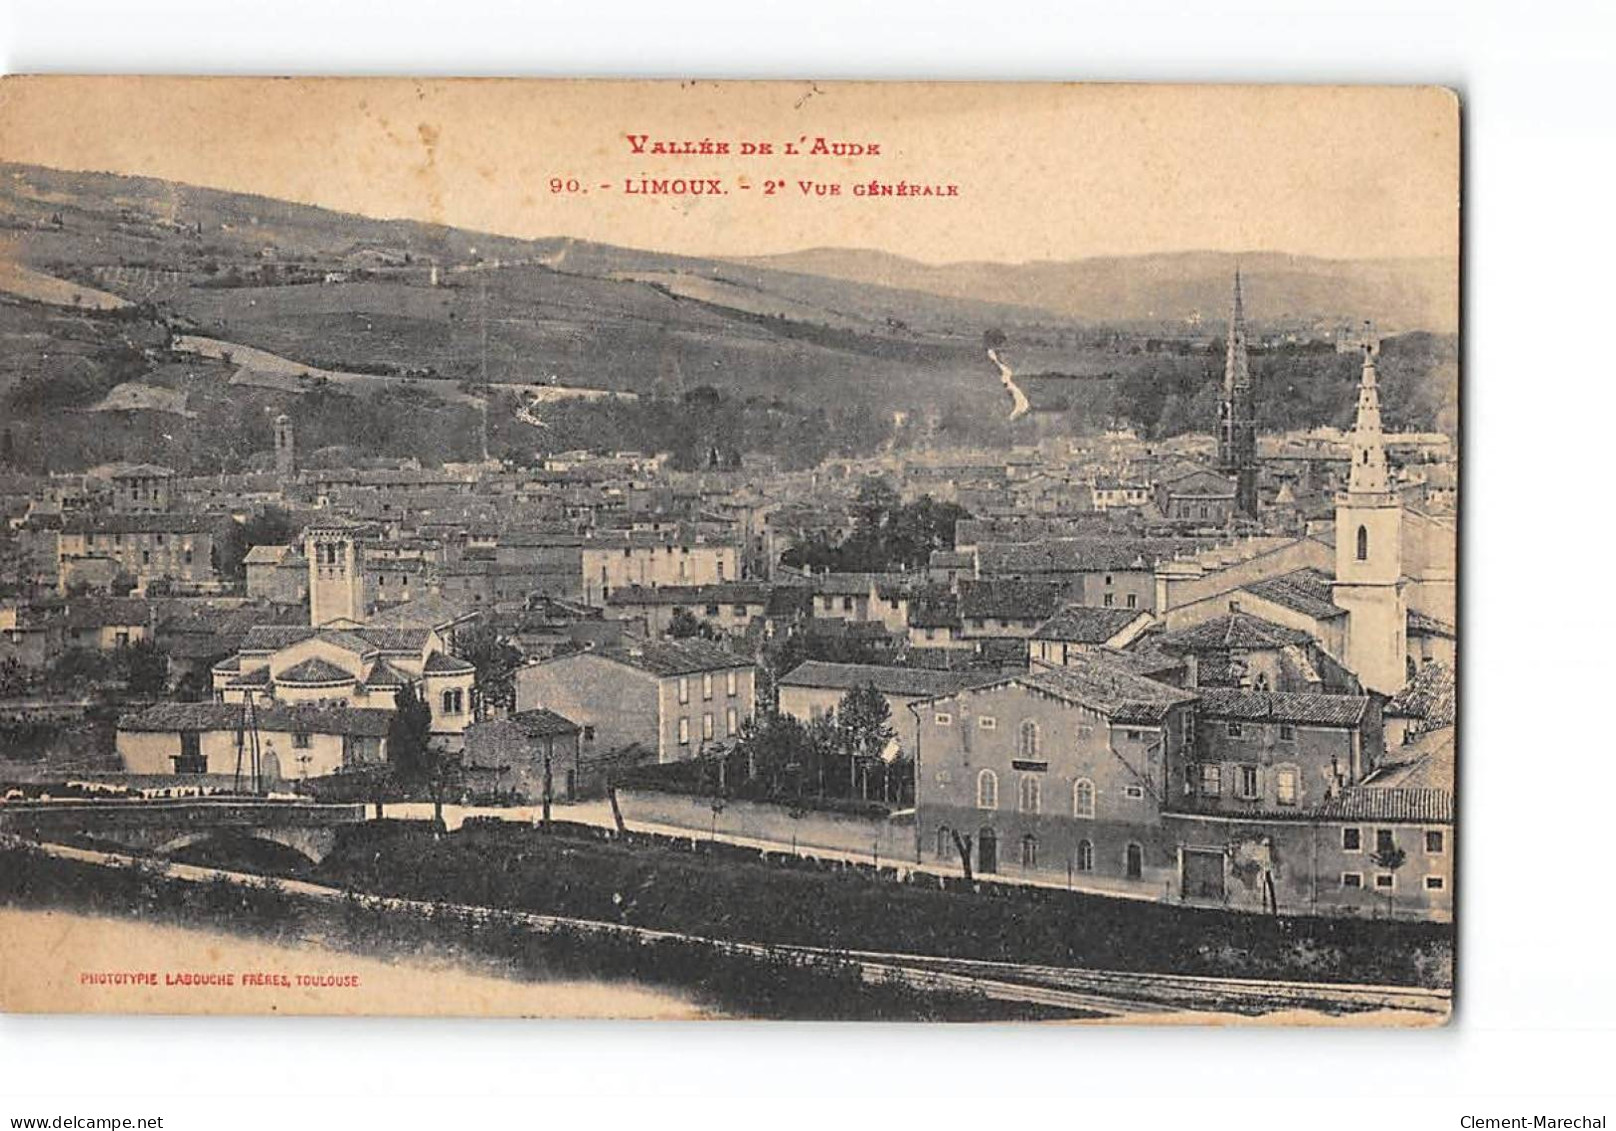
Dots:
pixel 668 698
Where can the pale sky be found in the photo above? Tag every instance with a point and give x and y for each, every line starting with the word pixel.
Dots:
pixel 1043 171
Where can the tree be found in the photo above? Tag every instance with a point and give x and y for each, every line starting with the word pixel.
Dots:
pixel 684 625
pixel 145 668
pixel 496 662
pixel 414 759
pixel 1390 858
pixel 865 719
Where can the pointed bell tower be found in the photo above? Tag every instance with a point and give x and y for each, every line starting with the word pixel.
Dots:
pixel 1369 550
pixel 1237 413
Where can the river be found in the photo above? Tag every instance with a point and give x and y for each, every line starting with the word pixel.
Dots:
pixel 60 962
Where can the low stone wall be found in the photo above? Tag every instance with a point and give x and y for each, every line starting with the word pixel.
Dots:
pixel 879 838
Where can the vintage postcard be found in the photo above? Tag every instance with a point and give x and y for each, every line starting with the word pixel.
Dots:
pixel 745 550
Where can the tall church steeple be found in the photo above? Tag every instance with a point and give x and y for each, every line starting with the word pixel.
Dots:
pixel 1369 550
pixel 1237 414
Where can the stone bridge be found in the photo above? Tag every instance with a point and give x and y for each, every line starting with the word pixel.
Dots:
pixel 160 826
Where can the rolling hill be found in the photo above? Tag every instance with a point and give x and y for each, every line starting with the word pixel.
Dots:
pixel 1398 295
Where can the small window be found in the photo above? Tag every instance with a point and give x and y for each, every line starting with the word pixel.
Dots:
pixel 1085 856
pixel 1110 600
pixel 1248 782
pixel 1134 792
pixel 730 682
pixel 707 726
pixel 1435 883
pixel 1134 736
pixel 943 719
pixel 1285 785
pixel 1363 540
pixel 1029 851
pixel 987 790
pixel 1211 780
pixel 1082 798
pixel 731 721
pixel 1351 840
pixel 1352 879
pixel 684 732
pixel 1031 798
pixel 1385 881
pixel 684 689
pixel 1133 600
pixel 1385 841
pixel 1027 743
pixel 1435 842
pixel 987 722
pixel 706 685
pixel 300 740
pixel 1234 730
pixel 1287 732
pixel 589 733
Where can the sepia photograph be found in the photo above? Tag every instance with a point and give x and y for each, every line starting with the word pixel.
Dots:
pixel 788 550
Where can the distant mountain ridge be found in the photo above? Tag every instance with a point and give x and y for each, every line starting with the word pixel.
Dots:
pixel 1396 294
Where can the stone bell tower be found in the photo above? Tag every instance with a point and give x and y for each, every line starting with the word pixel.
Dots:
pixel 1369 550
pixel 285 447
pixel 336 590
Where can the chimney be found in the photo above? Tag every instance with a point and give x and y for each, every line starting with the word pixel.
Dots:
pixel 1192 670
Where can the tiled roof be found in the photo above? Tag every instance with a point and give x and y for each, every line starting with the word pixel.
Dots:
pixel 266 555
pixel 274 637
pixel 441 663
pixel 1426 763
pixel 100 612
pixel 1007 599
pixel 1110 688
pixel 1238 631
pixel 314 670
pixel 667 657
pixel 935 610
pixel 1431 626
pixel 426 611
pixel 1073 555
pixel 166 717
pixel 1431 697
pixel 543 723
pixel 384 674
pixel 1307 591
pixel 920 682
pixel 1080 624
pixel 724 593
pixel 1370 803
pixel 138 524
pixel 1304 707
pixel 258 677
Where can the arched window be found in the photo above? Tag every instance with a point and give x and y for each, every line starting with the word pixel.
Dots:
pixel 448 702
pixel 1085 856
pixel 1082 798
pixel 1028 742
pixel 1029 851
pixel 1363 543
pixel 945 843
pixel 987 790
pixel 1135 862
pixel 1029 793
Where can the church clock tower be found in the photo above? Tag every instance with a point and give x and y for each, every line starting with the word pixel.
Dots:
pixel 1369 551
